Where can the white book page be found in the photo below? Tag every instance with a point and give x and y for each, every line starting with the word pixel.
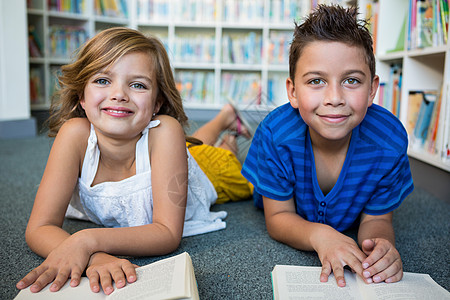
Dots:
pixel 165 279
pixel 298 282
pixel 160 280
pixel 413 286
pixel 82 291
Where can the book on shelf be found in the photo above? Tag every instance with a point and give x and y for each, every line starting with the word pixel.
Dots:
pixel 152 10
pixel 111 8
pixel 428 23
pixel 170 278
pixel 36 86
pixel 248 11
pixel 420 115
pixel 278 47
pixel 65 40
pixel 71 6
pixel 300 282
pixel 390 97
pixel 372 12
pixel 197 11
pixel 194 47
pixel 195 87
pixel 284 11
pixel 244 88
pixel 34 42
pixel 242 48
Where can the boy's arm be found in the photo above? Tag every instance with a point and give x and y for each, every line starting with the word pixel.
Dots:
pixel 377 239
pixel 335 250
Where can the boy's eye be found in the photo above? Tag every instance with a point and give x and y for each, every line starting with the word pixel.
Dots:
pixel 316 81
pixel 351 81
pixel 101 81
pixel 138 85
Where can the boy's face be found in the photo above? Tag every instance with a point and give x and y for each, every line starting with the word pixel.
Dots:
pixel 332 89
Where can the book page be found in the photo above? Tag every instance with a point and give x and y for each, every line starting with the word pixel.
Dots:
pixel 297 282
pixel 413 286
pixel 82 291
pixel 165 279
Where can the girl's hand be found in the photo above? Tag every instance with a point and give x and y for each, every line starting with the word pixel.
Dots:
pixel 383 262
pixel 69 259
pixel 104 269
pixel 335 251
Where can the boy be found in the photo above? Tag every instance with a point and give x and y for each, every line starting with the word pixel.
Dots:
pixel 331 159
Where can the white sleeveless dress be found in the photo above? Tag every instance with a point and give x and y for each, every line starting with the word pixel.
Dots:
pixel 129 202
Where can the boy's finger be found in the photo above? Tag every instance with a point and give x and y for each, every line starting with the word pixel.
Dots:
pixel 75 277
pixel 42 281
pixel 338 272
pixel 118 277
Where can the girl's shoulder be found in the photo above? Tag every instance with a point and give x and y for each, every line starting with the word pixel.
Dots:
pixel 168 131
pixel 75 132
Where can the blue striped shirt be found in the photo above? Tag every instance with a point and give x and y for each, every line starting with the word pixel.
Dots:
pixel 374 179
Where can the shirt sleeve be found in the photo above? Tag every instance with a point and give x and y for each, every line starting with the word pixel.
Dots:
pixel 267 167
pixel 392 189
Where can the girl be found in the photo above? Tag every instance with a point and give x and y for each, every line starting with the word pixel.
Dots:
pixel 119 159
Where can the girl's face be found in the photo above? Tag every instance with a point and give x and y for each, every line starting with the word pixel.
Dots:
pixel 332 89
pixel 120 99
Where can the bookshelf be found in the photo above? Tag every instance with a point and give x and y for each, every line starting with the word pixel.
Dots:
pixel 218 48
pixel 424 64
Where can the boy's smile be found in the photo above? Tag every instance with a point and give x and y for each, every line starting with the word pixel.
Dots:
pixel 332 89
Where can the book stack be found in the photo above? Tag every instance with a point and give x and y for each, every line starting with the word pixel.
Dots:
pixel 71 6
pixel 111 8
pixel 64 40
pixel 428 23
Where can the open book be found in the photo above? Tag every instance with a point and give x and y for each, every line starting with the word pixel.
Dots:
pixel 170 278
pixel 297 282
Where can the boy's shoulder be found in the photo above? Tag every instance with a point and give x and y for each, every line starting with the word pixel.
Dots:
pixel 281 121
pixel 381 127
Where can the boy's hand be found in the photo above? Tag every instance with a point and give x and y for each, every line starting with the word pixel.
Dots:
pixel 336 251
pixel 69 259
pixel 105 269
pixel 383 262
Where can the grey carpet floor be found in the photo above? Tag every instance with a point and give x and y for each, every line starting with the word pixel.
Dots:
pixel 234 263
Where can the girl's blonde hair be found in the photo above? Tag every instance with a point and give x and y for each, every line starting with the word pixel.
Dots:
pixel 101 51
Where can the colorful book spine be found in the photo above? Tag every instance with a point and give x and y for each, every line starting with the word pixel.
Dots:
pixel 111 8
pixel 248 11
pixel 278 47
pixel 71 6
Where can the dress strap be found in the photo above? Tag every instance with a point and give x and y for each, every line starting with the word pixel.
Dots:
pixel 143 165
pixel 91 158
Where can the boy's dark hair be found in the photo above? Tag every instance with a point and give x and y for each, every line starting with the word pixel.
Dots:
pixel 335 24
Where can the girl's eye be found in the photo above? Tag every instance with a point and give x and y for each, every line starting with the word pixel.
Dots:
pixel 101 81
pixel 316 81
pixel 351 81
pixel 138 85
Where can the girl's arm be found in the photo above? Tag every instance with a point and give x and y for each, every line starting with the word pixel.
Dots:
pixel 335 250
pixel 44 232
pixel 377 239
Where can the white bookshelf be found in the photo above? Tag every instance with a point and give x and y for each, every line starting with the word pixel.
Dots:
pixel 422 68
pixel 179 22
